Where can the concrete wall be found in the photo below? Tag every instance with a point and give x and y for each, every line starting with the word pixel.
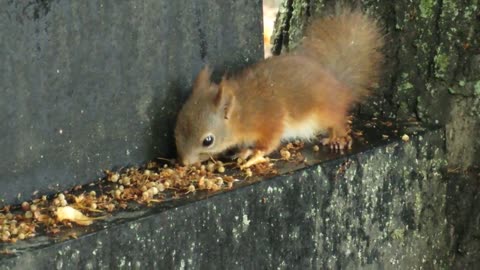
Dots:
pixel 90 85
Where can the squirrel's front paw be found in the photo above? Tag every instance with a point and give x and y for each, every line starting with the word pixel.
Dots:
pixel 258 157
pixel 245 153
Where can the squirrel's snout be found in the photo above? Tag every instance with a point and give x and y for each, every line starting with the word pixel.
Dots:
pixel 184 161
pixel 187 160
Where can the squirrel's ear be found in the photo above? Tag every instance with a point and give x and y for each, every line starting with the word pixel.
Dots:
pixel 225 100
pixel 202 82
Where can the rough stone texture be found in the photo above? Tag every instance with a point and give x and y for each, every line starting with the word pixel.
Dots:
pixel 89 85
pixel 432 69
pixel 463 214
pixel 381 208
pixel 463 132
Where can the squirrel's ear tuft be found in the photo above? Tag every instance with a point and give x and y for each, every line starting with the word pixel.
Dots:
pixel 202 82
pixel 225 100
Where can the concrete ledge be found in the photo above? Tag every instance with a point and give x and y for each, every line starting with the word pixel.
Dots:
pixel 381 207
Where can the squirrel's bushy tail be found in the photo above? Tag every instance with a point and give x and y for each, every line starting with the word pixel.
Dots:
pixel 347 44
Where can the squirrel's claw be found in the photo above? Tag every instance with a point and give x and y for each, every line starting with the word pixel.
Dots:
pixel 338 143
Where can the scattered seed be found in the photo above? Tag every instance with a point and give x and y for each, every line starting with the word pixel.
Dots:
pixel 208 184
pixel 69 213
pixel 210 166
pixel 93 206
pixel 110 207
pixel 285 154
pixel 118 194
pixel 56 202
pixel 114 177
pixel 145 195
pixel 28 214
pixel 5 238
pixel 63 203
pixel 201 183
pixel 25 206
pixel 240 161
pixel 215 187
pixel 167 184
pixel 126 181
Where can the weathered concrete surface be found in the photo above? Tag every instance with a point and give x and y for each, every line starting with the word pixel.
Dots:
pixel 381 208
pixel 89 85
pixel 463 131
pixel 463 214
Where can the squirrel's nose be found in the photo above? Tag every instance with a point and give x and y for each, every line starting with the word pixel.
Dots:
pixel 187 160
pixel 183 161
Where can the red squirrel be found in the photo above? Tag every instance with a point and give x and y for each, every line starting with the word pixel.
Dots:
pixel 297 95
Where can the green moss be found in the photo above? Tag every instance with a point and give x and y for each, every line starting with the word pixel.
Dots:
pixel 450 7
pixel 403 111
pixel 398 234
pixel 418 205
pixel 421 108
pixel 426 8
pixel 441 64
pixel 466 89
pixel 476 87
pixel 405 85
pixel 298 22
pixel 469 11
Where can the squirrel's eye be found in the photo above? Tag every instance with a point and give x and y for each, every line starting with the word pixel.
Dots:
pixel 208 141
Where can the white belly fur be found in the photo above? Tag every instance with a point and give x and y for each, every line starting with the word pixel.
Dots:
pixel 305 130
